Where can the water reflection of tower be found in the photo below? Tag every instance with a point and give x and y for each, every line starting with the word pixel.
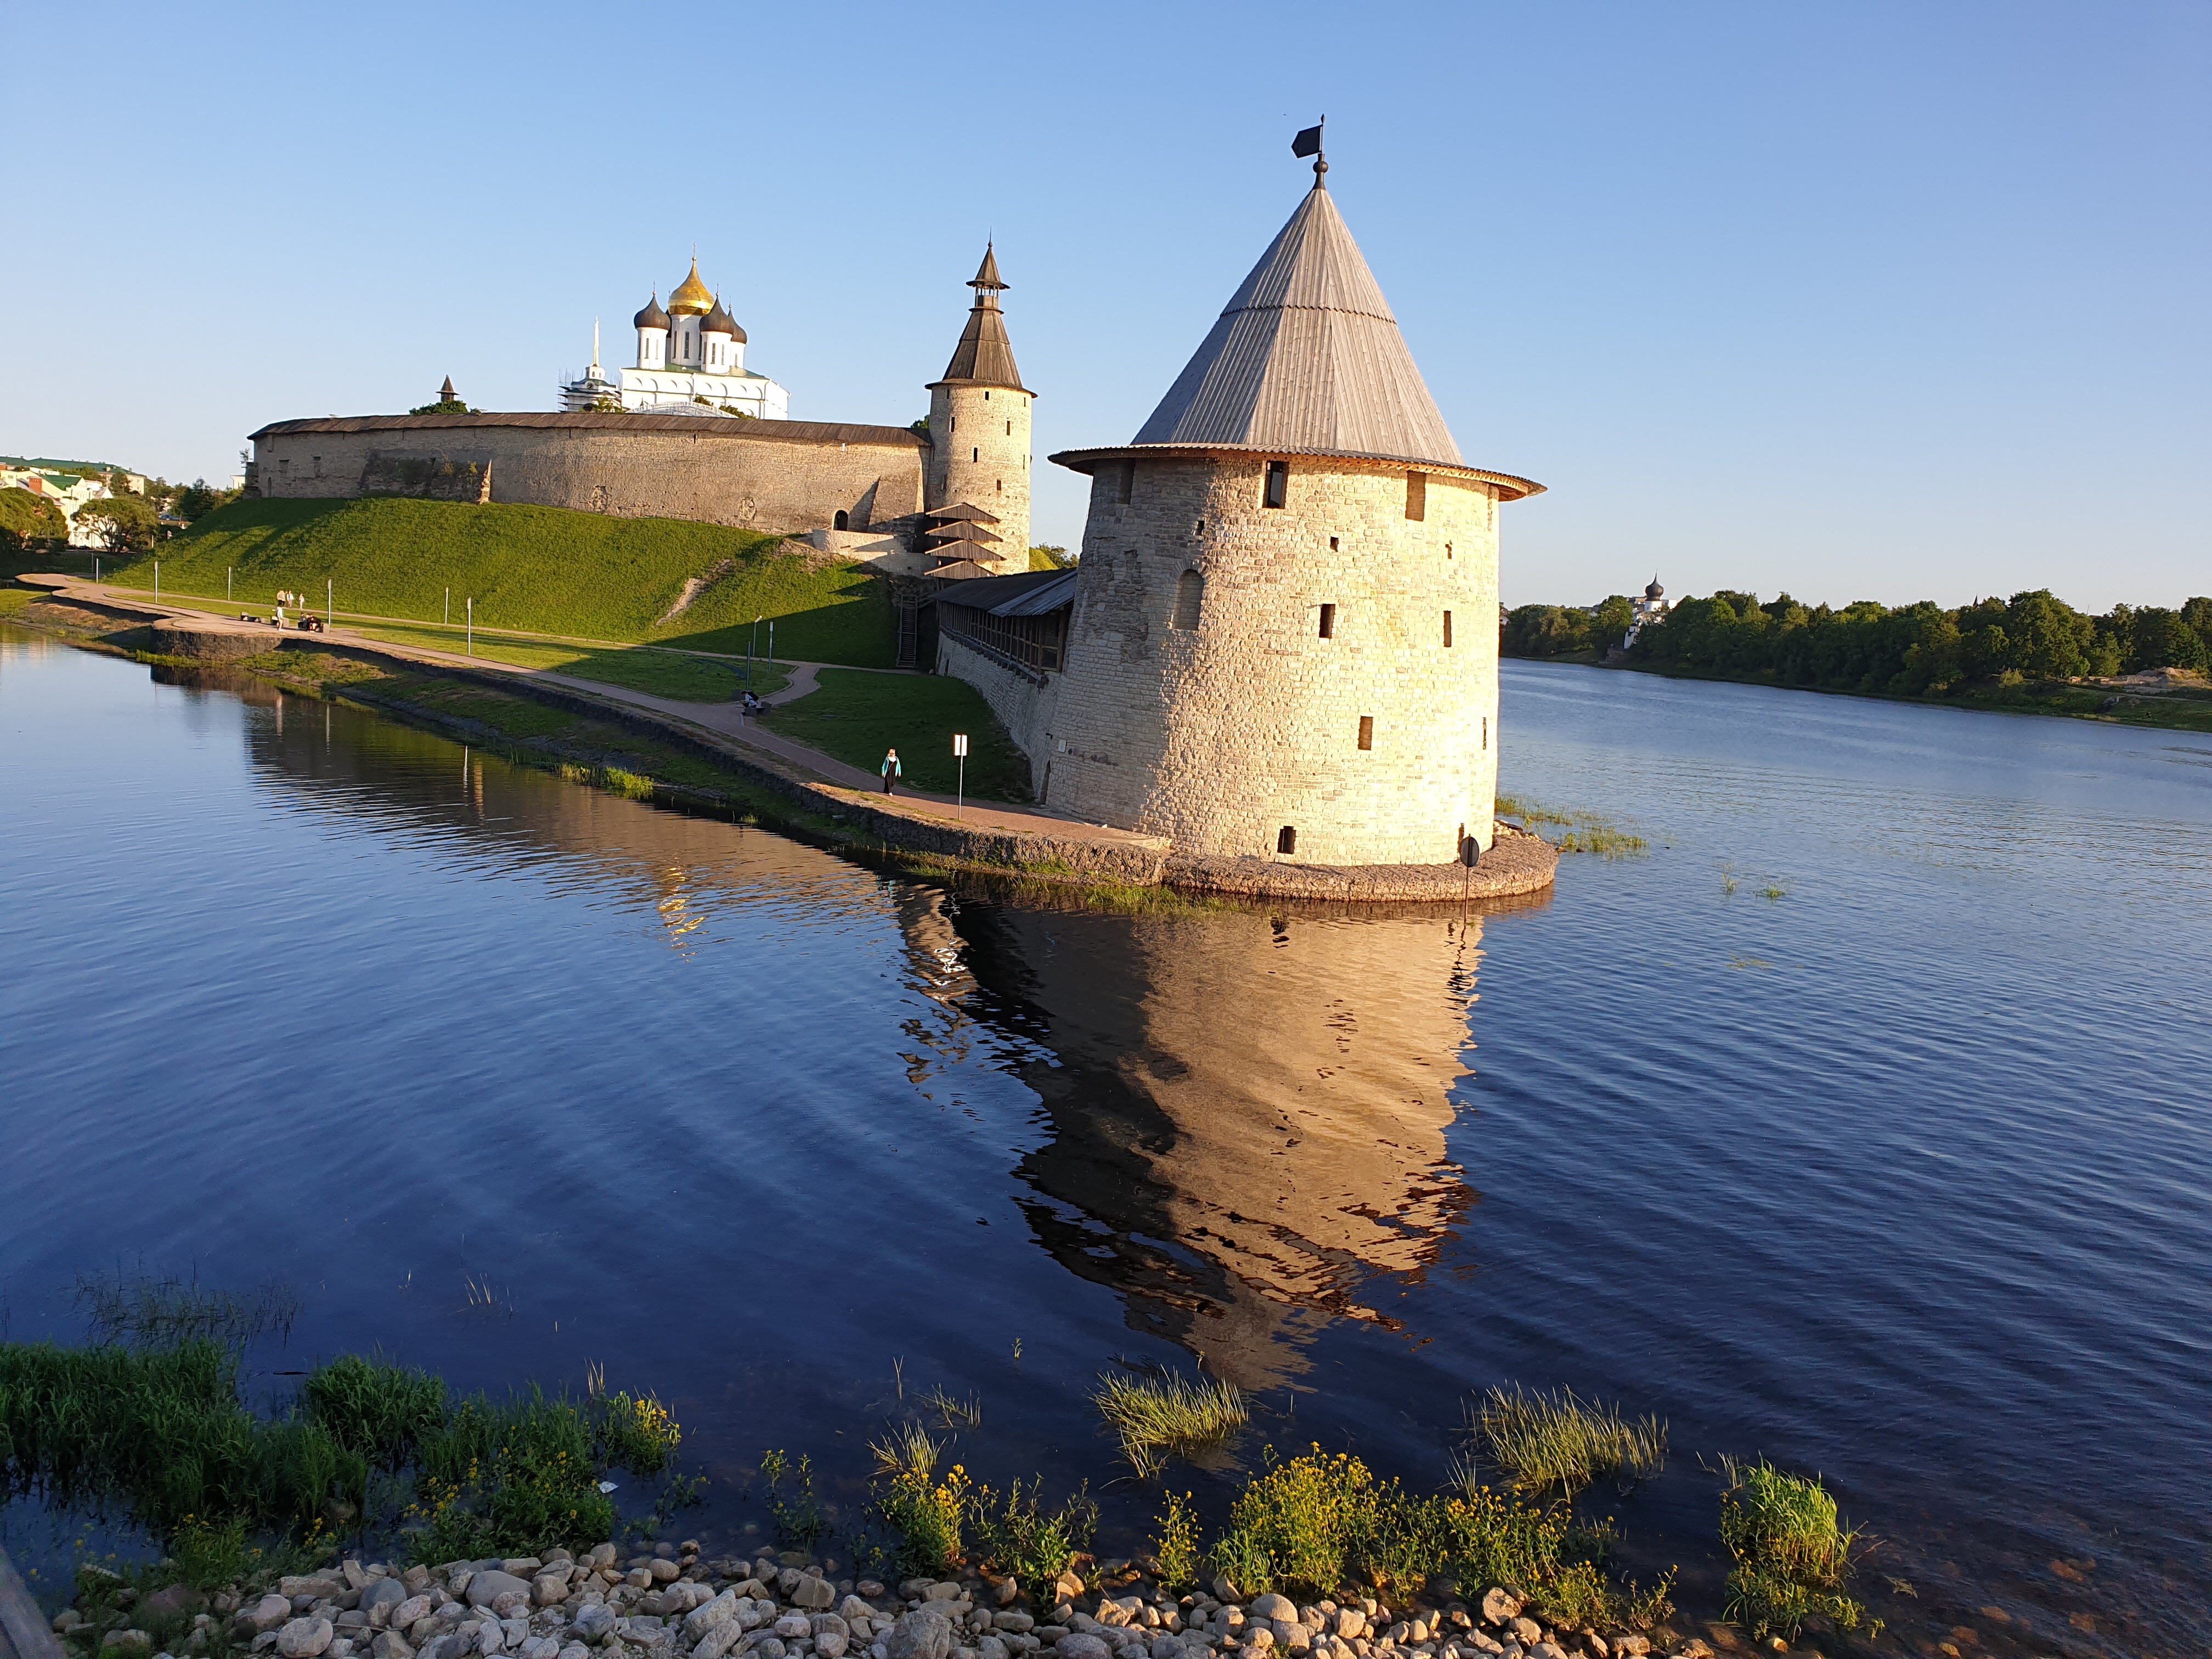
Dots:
pixel 1248 1113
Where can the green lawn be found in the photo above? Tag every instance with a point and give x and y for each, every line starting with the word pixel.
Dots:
pixel 856 717
pixel 541 569
pixel 642 668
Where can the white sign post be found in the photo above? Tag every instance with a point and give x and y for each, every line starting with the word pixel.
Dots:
pixel 960 752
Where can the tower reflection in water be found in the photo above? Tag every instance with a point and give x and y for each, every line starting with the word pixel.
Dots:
pixel 1247 1112
pixel 1244 1113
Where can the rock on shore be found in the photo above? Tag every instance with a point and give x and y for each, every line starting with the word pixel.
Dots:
pixel 673 1603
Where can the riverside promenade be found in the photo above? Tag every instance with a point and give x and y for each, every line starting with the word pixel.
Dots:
pixel 1025 839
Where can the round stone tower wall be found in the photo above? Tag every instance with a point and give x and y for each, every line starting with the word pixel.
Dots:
pixel 1209 696
pixel 980 453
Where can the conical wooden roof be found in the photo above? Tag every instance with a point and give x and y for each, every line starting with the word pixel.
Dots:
pixel 985 357
pixel 1306 358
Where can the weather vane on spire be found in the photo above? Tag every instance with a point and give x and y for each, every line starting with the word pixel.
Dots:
pixel 1308 143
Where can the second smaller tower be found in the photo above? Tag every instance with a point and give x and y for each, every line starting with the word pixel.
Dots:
pixel 979 435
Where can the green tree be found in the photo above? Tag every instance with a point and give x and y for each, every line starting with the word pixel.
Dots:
pixel 2050 638
pixel 1612 620
pixel 29 520
pixel 195 501
pixel 2164 639
pixel 1051 558
pixel 124 524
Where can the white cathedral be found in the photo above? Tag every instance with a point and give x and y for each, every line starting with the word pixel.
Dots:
pixel 690 360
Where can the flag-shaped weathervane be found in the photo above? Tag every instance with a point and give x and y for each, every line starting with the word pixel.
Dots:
pixel 1308 143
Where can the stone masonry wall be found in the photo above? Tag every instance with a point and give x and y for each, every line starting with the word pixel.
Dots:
pixel 1220 735
pixel 1024 707
pixel 714 477
pixel 974 458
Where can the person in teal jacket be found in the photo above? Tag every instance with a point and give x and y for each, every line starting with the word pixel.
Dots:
pixel 891 771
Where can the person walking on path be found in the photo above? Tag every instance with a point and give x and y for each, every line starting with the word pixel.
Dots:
pixel 891 771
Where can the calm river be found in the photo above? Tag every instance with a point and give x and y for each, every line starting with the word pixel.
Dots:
pixel 1862 1123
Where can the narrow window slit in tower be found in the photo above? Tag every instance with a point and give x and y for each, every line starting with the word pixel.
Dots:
pixel 1286 839
pixel 1447 549
pixel 1328 622
pixel 1417 495
pixel 1128 481
pixel 1332 544
pixel 1367 731
pixel 1190 596
pixel 1278 483
pixel 976 454
pixel 1447 630
pixel 1486 734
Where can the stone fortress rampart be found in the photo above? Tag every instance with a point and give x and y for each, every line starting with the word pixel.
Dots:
pixel 758 475
pixel 959 502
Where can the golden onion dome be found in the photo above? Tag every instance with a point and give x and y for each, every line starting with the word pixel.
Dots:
pixel 692 298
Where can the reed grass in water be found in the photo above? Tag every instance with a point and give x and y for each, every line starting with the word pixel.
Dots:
pixel 1156 1417
pixel 1555 1440
pixel 1586 832
pixel 1792 1555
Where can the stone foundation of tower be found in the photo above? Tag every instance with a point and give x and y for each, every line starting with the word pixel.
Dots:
pixel 1202 701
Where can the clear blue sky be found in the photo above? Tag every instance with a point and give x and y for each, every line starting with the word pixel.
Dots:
pixel 1867 300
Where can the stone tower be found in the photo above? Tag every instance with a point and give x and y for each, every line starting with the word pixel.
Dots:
pixel 1284 638
pixel 979 432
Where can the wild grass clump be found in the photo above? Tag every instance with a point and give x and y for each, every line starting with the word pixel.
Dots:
pixel 1556 1442
pixel 1156 1417
pixel 138 1311
pixel 1586 832
pixel 1322 1522
pixel 799 1519
pixel 1016 1533
pixel 1792 1555
pixel 163 1435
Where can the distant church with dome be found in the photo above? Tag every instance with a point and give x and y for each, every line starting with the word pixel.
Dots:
pixel 690 360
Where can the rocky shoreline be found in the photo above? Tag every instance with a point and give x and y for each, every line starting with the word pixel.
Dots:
pixel 670 1603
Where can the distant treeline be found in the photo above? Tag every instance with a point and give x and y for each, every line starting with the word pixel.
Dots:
pixel 1918 650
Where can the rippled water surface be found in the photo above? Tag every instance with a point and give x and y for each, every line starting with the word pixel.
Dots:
pixel 1861 1123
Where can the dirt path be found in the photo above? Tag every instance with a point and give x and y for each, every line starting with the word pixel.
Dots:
pixel 725 720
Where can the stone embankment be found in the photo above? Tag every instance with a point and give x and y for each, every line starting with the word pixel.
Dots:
pixel 1018 841
pixel 672 1604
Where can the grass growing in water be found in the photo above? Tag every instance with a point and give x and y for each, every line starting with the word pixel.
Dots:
pixel 1556 1441
pixel 163 1433
pixel 1586 832
pixel 1793 1557
pixel 1322 1522
pixel 1155 1416
pixel 138 1310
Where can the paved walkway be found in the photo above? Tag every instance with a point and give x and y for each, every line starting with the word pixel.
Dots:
pixel 724 719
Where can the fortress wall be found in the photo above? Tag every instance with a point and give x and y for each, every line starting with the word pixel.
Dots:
pixel 1024 707
pixel 1220 735
pixel 713 476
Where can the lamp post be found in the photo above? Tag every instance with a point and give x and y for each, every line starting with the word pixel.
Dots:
pixel 752 645
pixel 472 625
pixel 330 614
pixel 960 795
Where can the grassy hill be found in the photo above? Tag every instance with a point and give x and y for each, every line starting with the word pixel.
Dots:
pixel 543 568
